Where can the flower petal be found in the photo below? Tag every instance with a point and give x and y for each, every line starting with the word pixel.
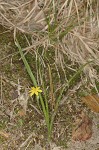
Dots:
pixel 40 91
pixel 36 93
pixel 31 94
pixel 35 90
pixel 38 88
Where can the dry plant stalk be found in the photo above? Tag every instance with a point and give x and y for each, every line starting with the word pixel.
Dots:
pixel 25 16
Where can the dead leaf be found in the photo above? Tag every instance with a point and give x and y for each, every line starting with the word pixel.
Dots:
pixel 4 134
pixel 83 128
pixel 21 113
pixel 92 102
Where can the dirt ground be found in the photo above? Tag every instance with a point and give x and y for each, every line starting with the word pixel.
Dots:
pixel 20 131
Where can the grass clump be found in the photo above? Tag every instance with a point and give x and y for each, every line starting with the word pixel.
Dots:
pixel 55 101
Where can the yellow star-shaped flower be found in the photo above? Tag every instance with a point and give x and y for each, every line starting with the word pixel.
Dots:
pixel 35 90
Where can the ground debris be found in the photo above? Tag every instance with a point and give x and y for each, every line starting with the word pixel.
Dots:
pixel 92 143
pixel 83 128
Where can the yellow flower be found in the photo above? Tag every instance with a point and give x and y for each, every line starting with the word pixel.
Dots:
pixel 35 90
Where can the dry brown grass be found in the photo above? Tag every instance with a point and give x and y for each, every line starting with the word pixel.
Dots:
pixel 72 29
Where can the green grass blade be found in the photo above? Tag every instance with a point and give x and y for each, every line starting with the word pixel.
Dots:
pixel 46 113
pixel 26 63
